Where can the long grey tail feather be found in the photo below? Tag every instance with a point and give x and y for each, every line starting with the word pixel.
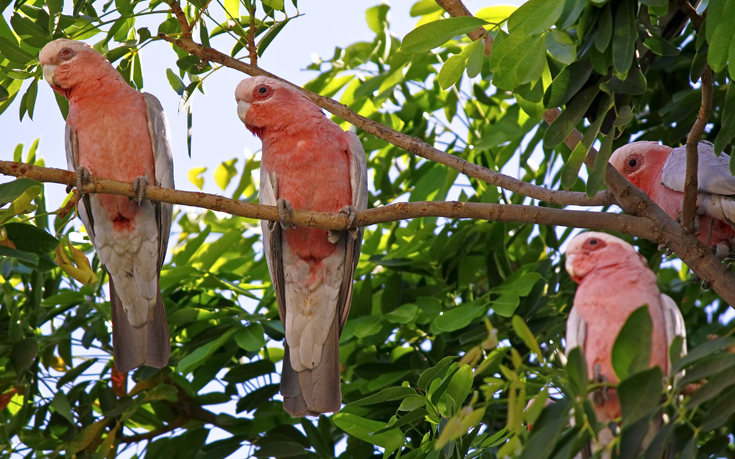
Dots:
pixel 147 345
pixel 317 391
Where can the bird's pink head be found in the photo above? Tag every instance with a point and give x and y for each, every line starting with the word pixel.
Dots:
pixel 641 162
pixel 69 63
pixel 592 250
pixel 266 104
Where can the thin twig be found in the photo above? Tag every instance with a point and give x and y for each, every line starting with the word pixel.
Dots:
pixel 399 139
pixel 150 435
pixel 251 37
pixel 199 14
pixel 399 211
pixel 456 8
pixel 691 12
pixel 691 187
pixel 181 17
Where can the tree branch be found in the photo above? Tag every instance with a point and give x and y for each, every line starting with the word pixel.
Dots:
pixel 691 187
pixel 399 139
pixel 181 17
pixel 628 224
pixel 456 8
pixel 691 12
pixel 251 38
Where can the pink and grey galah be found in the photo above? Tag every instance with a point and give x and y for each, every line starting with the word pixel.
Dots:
pixel 660 171
pixel 308 162
pixel 115 132
pixel 614 280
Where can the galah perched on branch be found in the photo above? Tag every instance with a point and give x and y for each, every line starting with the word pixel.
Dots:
pixel 308 162
pixel 115 132
pixel 614 280
pixel 660 171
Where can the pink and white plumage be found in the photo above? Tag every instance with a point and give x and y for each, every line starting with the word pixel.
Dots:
pixel 116 132
pixel 660 171
pixel 614 280
pixel 312 163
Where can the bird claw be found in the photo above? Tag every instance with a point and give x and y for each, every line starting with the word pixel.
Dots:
pixel 82 178
pixel 140 184
pixel 600 396
pixel 285 212
pixel 722 251
pixel 705 285
pixel 351 213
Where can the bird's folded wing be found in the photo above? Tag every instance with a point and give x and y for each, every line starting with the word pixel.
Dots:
pixel 714 171
pixel 674 323
pixel 272 233
pixel 576 331
pixel 164 168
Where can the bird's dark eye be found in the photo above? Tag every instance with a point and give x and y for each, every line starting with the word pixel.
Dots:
pixel 632 162
pixel 66 54
pixel 262 92
pixel 594 244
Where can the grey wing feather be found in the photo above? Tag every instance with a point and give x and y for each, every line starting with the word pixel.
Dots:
pixel 576 331
pixel 72 162
pixel 272 239
pixel 164 167
pixel 714 171
pixel 674 323
pixel 358 181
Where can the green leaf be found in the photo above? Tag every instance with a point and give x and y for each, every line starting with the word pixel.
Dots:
pixel 73 373
pixel 716 385
pixel 458 317
pixel 13 190
pixel 577 372
pixel 565 123
pixel 727 129
pixel 703 351
pixel 275 4
pixel 570 170
pixel 429 36
pixel 720 39
pixel 251 337
pixel 517 60
pixel 404 314
pixel 596 179
pixel 639 394
pixel 364 430
pixel 561 46
pixel 62 406
pixel 31 238
pixel 270 35
pixel 496 14
pixel 624 38
pixel 232 8
pixel 604 28
pixel 476 58
pixel 202 353
pixel 224 173
pixel 631 352
pixel 535 17
pixel 434 372
pixel 85 437
pixel 195 176
pixel 376 18
pixel 176 83
pixel 660 46
pixel 521 329
pixel 386 395
pixel 424 7
pixel 567 84
pixel 15 53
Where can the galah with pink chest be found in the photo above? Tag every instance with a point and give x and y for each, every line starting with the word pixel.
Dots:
pixel 308 162
pixel 114 131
